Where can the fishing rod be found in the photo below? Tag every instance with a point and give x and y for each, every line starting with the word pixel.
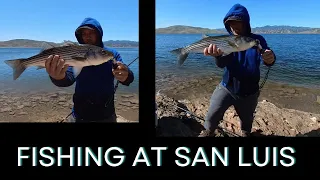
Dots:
pixel 115 88
pixel 262 51
pixel 117 84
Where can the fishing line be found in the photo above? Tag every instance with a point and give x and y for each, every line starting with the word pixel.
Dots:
pixel 115 89
pixel 192 114
pixel 267 73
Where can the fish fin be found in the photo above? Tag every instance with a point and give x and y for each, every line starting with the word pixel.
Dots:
pixel 182 56
pixel 205 36
pixel 233 44
pixel 77 70
pixel 79 58
pixel 46 46
pixel 17 66
pixel 69 43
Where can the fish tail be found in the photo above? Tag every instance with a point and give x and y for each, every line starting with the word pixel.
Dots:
pixel 182 56
pixel 17 67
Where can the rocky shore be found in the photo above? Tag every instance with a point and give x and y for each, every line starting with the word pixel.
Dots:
pixel 54 107
pixel 282 110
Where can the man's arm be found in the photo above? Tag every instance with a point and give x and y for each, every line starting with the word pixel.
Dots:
pixel 68 80
pixel 268 57
pixel 223 61
pixel 60 74
pixel 130 77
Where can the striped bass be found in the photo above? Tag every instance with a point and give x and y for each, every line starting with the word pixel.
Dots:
pixel 228 44
pixel 77 56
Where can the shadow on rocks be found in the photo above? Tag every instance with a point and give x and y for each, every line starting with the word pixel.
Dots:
pixel 313 133
pixel 177 127
pixel 189 120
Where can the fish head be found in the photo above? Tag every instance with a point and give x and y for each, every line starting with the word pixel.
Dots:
pixel 97 56
pixel 243 43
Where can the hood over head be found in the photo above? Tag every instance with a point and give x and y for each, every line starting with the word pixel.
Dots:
pixel 90 23
pixel 238 13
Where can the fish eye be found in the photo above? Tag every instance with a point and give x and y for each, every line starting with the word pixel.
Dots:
pixel 103 52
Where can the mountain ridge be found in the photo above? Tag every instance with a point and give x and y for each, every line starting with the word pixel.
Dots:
pixel 268 29
pixel 37 43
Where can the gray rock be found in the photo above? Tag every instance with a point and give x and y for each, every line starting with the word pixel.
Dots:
pixel 62 92
pixel 127 104
pixel 23 113
pixel 135 101
pixel 4 97
pixel 62 99
pixel 36 98
pixel 61 103
pixel 45 100
pixel 15 98
pixel 20 106
pixel 6 109
pixel 127 96
pixel 292 91
pixel 314 119
pixel 26 104
pixel 10 101
pixel 53 96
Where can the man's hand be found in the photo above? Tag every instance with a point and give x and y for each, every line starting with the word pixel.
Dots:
pixel 212 50
pixel 55 67
pixel 268 56
pixel 121 73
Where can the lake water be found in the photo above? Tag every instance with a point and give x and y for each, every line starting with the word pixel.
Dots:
pixel 38 80
pixel 298 59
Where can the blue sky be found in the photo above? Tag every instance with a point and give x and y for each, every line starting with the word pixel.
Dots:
pixel 56 20
pixel 209 13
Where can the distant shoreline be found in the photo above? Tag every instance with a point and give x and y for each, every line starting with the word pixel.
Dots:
pixel 28 43
pixel 254 33
pixel 283 29
pixel 41 47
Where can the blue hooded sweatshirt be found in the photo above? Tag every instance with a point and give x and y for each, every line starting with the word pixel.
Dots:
pixel 95 82
pixel 242 69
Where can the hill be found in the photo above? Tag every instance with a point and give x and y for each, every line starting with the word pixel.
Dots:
pixel 34 43
pixel 181 29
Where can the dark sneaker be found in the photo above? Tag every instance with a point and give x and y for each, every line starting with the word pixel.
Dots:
pixel 245 133
pixel 206 133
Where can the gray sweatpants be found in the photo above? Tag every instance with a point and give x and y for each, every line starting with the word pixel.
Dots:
pixel 222 99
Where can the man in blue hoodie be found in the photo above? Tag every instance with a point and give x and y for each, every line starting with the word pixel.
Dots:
pixel 94 92
pixel 240 82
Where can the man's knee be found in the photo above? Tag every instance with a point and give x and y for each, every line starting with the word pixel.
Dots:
pixel 246 110
pixel 218 106
pixel 220 101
